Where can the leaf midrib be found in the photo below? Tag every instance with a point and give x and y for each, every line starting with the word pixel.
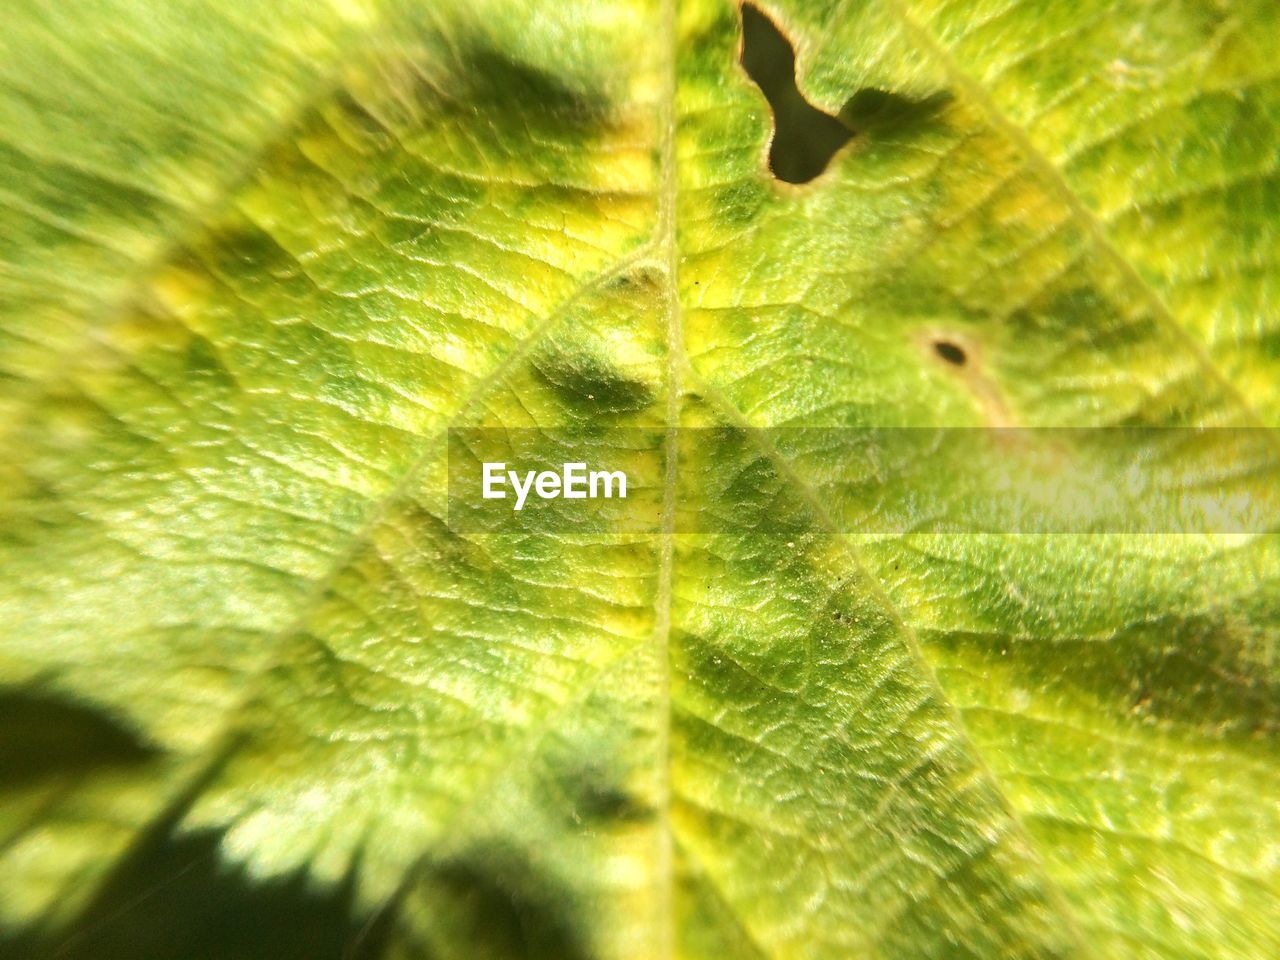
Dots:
pixel 667 220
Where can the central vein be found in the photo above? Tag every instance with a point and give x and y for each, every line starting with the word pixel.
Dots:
pixel 666 230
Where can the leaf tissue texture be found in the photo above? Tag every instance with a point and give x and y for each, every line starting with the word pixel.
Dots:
pixel 258 699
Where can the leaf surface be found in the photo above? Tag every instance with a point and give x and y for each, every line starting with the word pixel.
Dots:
pixel 256 263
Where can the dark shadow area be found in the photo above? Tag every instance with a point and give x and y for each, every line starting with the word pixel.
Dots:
pixel 178 900
pixel 495 905
pixel 43 736
pixel 804 138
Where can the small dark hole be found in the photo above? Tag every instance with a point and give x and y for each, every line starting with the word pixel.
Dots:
pixel 951 352
pixel 804 138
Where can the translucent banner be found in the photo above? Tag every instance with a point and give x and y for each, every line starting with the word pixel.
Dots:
pixel 865 480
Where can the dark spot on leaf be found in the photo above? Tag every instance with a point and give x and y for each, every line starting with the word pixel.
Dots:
pixel 805 139
pixel 951 352
pixel 239 246
pixel 595 794
pixel 585 377
pixel 1182 670
pixel 740 203
pixel 496 79
pixel 879 113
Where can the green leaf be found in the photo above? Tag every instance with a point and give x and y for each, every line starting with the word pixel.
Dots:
pixel 260 699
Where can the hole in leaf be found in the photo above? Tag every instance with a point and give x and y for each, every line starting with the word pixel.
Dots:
pixel 952 353
pixel 804 138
